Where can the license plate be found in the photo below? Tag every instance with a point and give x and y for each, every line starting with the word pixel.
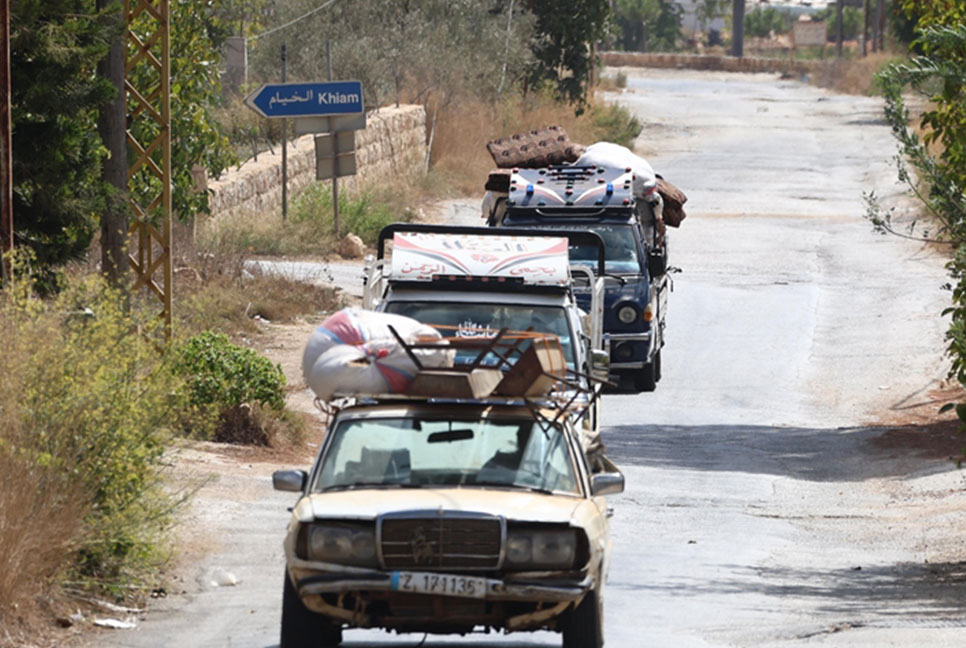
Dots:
pixel 444 584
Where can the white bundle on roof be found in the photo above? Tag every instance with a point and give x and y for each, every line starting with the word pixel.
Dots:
pixel 615 156
pixel 354 352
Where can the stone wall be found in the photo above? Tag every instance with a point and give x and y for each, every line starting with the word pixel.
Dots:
pixel 708 62
pixel 392 144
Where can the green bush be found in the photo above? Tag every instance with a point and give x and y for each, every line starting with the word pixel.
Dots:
pixel 362 215
pixel 615 123
pixel 87 406
pixel 222 375
pixel 761 22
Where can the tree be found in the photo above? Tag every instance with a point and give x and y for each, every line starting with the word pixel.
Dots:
pixel 933 166
pixel 58 193
pixel 561 45
pixel 195 90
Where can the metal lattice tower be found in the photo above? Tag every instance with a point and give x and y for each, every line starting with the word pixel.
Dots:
pixel 147 83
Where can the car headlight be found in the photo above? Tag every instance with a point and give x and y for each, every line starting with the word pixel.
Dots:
pixel 627 314
pixel 541 549
pixel 337 543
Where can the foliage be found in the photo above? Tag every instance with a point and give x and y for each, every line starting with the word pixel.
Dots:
pixel 762 22
pixel 852 22
pixel 615 123
pixel 54 49
pixel 222 375
pixel 933 166
pixel 86 410
pixel 561 45
pixel 414 51
pixel 648 25
pixel 361 215
pixel 708 10
pixel 196 37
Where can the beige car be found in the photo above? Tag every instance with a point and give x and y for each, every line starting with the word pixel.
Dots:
pixel 447 518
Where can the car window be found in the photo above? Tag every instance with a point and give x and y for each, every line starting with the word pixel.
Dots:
pixel 471 319
pixel 441 453
pixel 620 250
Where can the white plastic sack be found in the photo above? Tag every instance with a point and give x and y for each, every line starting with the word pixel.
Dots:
pixel 355 326
pixel 353 352
pixel 615 156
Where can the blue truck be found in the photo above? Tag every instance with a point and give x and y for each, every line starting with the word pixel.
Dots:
pixel 612 203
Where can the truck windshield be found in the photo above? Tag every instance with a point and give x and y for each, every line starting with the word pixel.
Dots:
pixel 620 250
pixel 406 451
pixel 471 319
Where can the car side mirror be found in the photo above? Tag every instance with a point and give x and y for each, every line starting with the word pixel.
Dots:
pixel 606 483
pixel 656 263
pixel 289 480
pixel 600 364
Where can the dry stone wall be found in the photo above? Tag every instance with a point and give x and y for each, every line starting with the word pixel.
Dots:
pixel 707 62
pixel 393 144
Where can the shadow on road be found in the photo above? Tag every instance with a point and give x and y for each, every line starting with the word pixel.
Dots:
pixel 885 592
pixel 842 454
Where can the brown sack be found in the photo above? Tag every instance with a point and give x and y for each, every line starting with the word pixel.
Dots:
pixel 674 200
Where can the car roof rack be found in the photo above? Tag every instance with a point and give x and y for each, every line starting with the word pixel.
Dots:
pixel 534 375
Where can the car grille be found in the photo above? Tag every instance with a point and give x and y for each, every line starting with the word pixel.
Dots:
pixel 441 543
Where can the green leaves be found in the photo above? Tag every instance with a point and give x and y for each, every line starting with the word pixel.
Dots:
pixel 222 375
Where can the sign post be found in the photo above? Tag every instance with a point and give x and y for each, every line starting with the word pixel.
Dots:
pixel 332 108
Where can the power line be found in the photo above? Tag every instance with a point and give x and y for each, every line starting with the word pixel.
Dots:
pixel 291 22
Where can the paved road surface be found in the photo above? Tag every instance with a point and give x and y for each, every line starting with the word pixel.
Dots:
pixel 762 509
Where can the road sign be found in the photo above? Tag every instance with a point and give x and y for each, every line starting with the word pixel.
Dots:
pixel 316 99
pixel 809 33
pixel 335 155
pixel 338 124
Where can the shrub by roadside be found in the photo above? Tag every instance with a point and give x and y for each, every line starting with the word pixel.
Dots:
pixel 238 395
pixel 86 412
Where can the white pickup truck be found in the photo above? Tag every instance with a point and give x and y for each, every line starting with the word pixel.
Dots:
pixel 475 281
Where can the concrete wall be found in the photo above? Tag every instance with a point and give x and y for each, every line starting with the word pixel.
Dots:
pixel 707 62
pixel 392 144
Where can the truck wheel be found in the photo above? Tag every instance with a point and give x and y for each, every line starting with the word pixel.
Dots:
pixel 657 366
pixel 303 628
pixel 584 626
pixel 645 380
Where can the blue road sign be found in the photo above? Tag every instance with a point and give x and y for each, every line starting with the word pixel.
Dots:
pixel 322 98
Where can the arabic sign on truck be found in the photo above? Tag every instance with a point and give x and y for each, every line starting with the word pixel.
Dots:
pixel 541 261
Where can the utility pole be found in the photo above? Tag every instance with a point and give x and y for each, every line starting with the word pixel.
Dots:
pixel 881 18
pixel 738 28
pixel 335 176
pixel 840 29
pixel 112 126
pixel 865 29
pixel 284 141
pixel 6 148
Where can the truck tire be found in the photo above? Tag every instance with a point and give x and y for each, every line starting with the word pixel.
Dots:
pixel 583 627
pixel 657 367
pixel 303 628
pixel 645 380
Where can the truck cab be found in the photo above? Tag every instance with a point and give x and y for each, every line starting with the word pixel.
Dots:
pixel 609 203
pixel 474 282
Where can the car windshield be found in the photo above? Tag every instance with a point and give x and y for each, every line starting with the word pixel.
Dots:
pixel 415 452
pixel 620 250
pixel 471 319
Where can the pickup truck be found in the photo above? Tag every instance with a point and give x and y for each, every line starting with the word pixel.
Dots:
pixel 606 202
pixel 474 281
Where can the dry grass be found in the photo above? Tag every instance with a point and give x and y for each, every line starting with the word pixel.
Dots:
pixel 853 76
pixel 41 510
pixel 460 157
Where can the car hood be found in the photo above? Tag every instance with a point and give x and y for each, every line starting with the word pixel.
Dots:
pixel 367 504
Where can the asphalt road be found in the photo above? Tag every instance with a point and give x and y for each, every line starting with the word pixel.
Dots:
pixel 764 506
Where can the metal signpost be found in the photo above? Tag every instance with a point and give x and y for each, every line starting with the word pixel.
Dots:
pixel 333 109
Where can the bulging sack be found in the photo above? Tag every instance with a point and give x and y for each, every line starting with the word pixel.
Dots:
pixel 615 156
pixel 354 352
